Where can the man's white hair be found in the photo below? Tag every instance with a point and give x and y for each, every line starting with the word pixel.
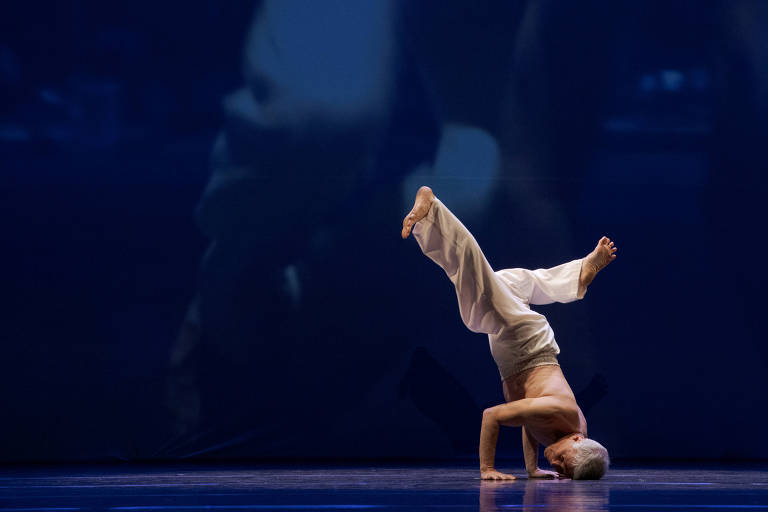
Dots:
pixel 590 460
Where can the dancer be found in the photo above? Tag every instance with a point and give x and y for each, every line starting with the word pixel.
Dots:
pixel 523 345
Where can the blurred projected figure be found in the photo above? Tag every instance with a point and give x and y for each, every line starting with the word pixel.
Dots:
pixel 293 157
pixel 340 99
pixel 523 345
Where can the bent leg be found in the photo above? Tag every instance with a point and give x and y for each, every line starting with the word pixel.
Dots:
pixel 563 283
pixel 484 300
pixel 546 285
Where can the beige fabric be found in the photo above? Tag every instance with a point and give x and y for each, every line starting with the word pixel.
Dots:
pixel 498 303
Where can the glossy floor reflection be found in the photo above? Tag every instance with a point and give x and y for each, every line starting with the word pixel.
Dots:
pixel 198 487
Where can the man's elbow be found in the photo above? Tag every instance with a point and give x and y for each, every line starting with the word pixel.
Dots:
pixel 491 415
pixel 509 415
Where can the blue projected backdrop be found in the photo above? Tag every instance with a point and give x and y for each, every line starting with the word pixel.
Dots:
pixel 203 204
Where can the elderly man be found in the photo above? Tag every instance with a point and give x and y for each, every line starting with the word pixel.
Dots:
pixel 523 345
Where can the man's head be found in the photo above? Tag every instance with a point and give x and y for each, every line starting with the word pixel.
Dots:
pixel 577 457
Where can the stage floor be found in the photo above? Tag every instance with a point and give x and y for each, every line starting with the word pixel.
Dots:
pixel 224 487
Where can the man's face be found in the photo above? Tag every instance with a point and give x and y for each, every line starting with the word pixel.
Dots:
pixel 560 454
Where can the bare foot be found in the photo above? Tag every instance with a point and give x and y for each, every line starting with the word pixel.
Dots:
pixel 596 261
pixel 421 206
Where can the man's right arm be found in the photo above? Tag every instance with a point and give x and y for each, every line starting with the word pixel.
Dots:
pixel 489 434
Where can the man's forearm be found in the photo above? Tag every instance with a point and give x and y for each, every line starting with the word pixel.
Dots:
pixel 530 452
pixel 489 435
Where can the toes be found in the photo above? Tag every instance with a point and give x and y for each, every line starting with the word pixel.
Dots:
pixel 407 223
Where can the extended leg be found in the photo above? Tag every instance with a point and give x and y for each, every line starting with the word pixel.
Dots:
pixel 484 300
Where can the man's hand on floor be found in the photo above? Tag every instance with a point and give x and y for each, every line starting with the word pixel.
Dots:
pixel 543 473
pixel 492 474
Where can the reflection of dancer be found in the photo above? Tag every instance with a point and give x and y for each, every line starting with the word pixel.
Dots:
pixel 540 495
pixel 522 342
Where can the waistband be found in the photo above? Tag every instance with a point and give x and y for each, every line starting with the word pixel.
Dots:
pixel 542 359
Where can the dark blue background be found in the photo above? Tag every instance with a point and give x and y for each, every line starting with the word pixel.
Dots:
pixel 202 203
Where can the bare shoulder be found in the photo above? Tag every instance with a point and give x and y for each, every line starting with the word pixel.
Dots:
pixel 550 417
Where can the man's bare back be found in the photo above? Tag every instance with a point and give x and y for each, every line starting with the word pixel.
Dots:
pixel 539 399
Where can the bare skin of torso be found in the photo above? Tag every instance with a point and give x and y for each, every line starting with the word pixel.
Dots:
pixel 547 381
